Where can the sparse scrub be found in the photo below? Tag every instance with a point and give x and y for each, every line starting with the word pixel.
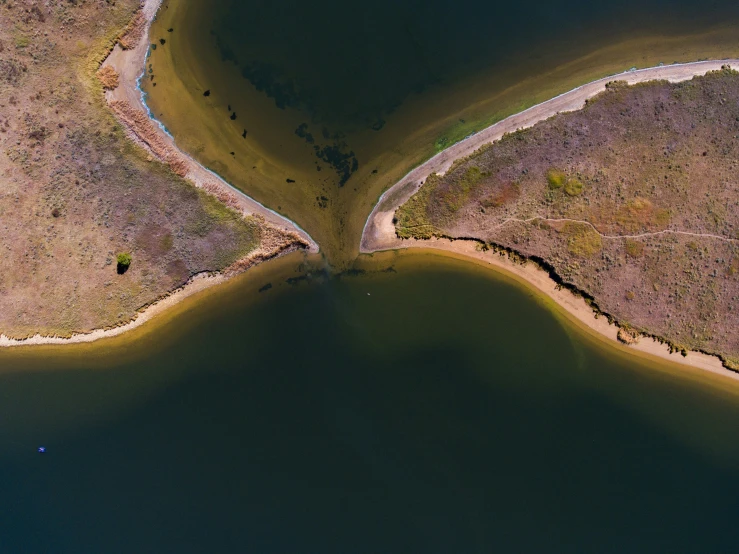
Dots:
pixel 93 202
pixel 582 240
pixel 623 179
pixel 634 248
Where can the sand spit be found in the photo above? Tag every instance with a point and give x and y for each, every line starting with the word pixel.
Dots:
pixel 127 103
pixel 379 231
pixel 119 74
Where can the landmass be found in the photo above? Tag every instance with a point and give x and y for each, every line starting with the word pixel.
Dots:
pixel 101 215
pixel 631 202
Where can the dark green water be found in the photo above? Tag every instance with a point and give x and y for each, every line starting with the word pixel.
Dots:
pixel 446 411
pixel 347 66
pixel 351 62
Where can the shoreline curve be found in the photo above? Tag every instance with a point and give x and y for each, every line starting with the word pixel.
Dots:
pixel 379 230
pixel 130 66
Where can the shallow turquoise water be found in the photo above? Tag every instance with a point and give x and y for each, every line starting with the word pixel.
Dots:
pixel 432 409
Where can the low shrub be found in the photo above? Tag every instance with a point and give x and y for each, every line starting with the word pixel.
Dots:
pixel 124 262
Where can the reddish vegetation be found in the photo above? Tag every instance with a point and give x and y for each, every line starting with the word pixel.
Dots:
pixel 145 129
pixel 108 77
pixel 634 200
pixel 133 32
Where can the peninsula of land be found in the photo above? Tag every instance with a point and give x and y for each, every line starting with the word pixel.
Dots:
pixel 82 188
pixel 630 203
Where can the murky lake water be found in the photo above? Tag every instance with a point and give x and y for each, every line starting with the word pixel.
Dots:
pixel 430 408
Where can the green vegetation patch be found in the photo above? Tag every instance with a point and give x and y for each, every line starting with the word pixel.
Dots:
pixel 634 248
pixel 639 214
pixel 124 262
pixel 456 195
pixel 582 240
pixel 22 41
pixel 573 186
pixel 558 179
pixel 411 219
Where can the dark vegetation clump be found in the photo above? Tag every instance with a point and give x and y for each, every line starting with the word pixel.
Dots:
pixel 336 155
pixel 123 262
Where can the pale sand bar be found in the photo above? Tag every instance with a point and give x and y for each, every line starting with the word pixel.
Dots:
pixel 379 230
pixel 130 65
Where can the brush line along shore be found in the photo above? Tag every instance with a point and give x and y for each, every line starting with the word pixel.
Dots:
pixel 380 231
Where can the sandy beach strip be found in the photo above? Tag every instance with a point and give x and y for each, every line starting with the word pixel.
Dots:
pixel 193 286
pixel 379 230
pixel 130 66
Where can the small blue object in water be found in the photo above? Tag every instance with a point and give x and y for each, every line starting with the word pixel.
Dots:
pixel 42 449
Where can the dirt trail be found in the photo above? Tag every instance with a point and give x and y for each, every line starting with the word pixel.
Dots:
pixel 379 231
pixel 594 228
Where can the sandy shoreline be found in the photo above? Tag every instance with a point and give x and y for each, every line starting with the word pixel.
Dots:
pixel 379 231
pixel 194 285
pixel 130 66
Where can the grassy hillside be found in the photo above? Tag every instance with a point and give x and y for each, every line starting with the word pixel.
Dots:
pixel 633 199
pixel 75 192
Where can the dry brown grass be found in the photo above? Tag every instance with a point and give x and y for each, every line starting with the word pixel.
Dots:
pixel 640 161
pixel 108 77
pixel 75 191
pixel 227 197
pixel 133 32
pixel 145 129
